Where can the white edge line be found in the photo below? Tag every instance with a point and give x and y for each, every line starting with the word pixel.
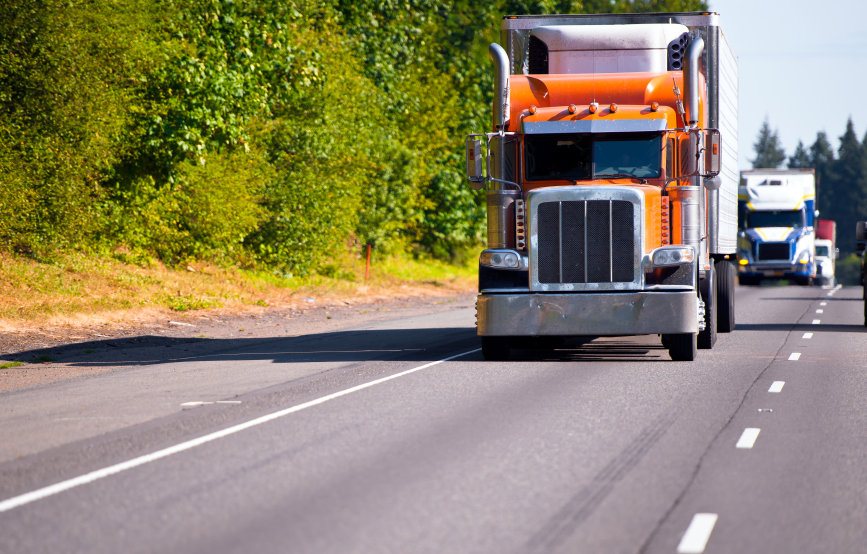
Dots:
pixel 695 538
pixel 50 490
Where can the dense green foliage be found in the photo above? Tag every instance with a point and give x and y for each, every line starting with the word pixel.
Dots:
pixel 259 132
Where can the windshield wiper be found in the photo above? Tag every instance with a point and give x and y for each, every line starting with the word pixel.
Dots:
pixel 620 176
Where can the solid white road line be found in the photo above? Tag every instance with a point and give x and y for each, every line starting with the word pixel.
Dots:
pixel 820 311
pixel 793 357
pixel 111 470
pixel 776 386
pixel 817 321
pixel 697 534
pixel 748 438
pixel 807 336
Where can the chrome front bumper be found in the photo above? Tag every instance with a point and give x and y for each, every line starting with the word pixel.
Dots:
pixel 609 313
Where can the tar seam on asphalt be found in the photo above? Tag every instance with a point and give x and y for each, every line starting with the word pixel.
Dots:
pixel 713 441
pixel 564 523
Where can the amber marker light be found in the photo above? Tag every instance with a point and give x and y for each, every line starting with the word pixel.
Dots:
pixel 613 108
pixel 593 107
pixel 743 261
pixel 573 108
pixel 532 110
pixel 654 106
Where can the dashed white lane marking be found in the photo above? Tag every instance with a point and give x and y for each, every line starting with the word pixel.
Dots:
pixel 748 438
pixel 823 303
pixel 29 497
pixel 793 357
pixel 776 386
pixel 697 534
pixel 820 311
pixel 817 321
pixel 807 336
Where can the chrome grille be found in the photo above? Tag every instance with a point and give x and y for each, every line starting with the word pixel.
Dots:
pixel 774 251
pixel 586 241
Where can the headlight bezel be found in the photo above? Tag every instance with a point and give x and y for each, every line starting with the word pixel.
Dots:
pixel 668 256
pixel 504 259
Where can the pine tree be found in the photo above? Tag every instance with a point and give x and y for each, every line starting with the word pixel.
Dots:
pixel 849 183
pixel 801 158
pixel 769 152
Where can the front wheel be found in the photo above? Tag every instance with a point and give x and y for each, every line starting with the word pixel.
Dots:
pixel 495 349
pixel 682 347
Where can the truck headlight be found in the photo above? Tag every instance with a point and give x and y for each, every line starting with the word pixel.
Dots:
pixel 673 255
pixel 804 257
pixel 505 259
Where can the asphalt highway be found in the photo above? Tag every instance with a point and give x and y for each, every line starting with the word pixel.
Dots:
pixel 398 437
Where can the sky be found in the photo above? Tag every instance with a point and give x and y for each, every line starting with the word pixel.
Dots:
pixel 802 64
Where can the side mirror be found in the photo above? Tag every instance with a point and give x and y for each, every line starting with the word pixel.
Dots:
pixel 861 231
pixel 713 184
pixel 474 164
pixel 712 153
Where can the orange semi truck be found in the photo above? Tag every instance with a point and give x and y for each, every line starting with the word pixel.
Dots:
pixel 611 182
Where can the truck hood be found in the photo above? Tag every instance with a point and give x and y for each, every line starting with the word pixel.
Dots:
pixel 774 198
pixel 775 234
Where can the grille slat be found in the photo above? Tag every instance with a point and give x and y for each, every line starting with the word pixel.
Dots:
pixel 622 241
pixel 573 242
pixel 598 242
pixel 549 242
pixel 594 240
pixel 774 251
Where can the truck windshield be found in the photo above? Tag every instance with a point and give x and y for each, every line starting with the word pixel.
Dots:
pixel 572 157
pixel 639 156
pixel 775 218
pixel 822 251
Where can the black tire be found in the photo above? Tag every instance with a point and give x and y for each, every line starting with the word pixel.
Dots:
pixel 683 347
pixel 495 349
pixel 707 289
pixel 665 342
pixel 725 296
pixel 865 302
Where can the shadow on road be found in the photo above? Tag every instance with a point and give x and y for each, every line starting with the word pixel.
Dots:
pixel 338 346
pixel 800 327
pixel 811 299
pixel 597 351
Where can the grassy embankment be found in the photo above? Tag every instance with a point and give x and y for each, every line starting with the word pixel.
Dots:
pixel 78 289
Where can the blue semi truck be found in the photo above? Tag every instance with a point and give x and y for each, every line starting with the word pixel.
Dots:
pixel 777 220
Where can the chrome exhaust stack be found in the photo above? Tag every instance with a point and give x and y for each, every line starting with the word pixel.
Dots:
pixel 691 68
pixel 499 200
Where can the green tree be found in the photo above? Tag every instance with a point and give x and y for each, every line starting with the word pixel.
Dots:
pixel 769 152
pixel 801 158
pixel 848 184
